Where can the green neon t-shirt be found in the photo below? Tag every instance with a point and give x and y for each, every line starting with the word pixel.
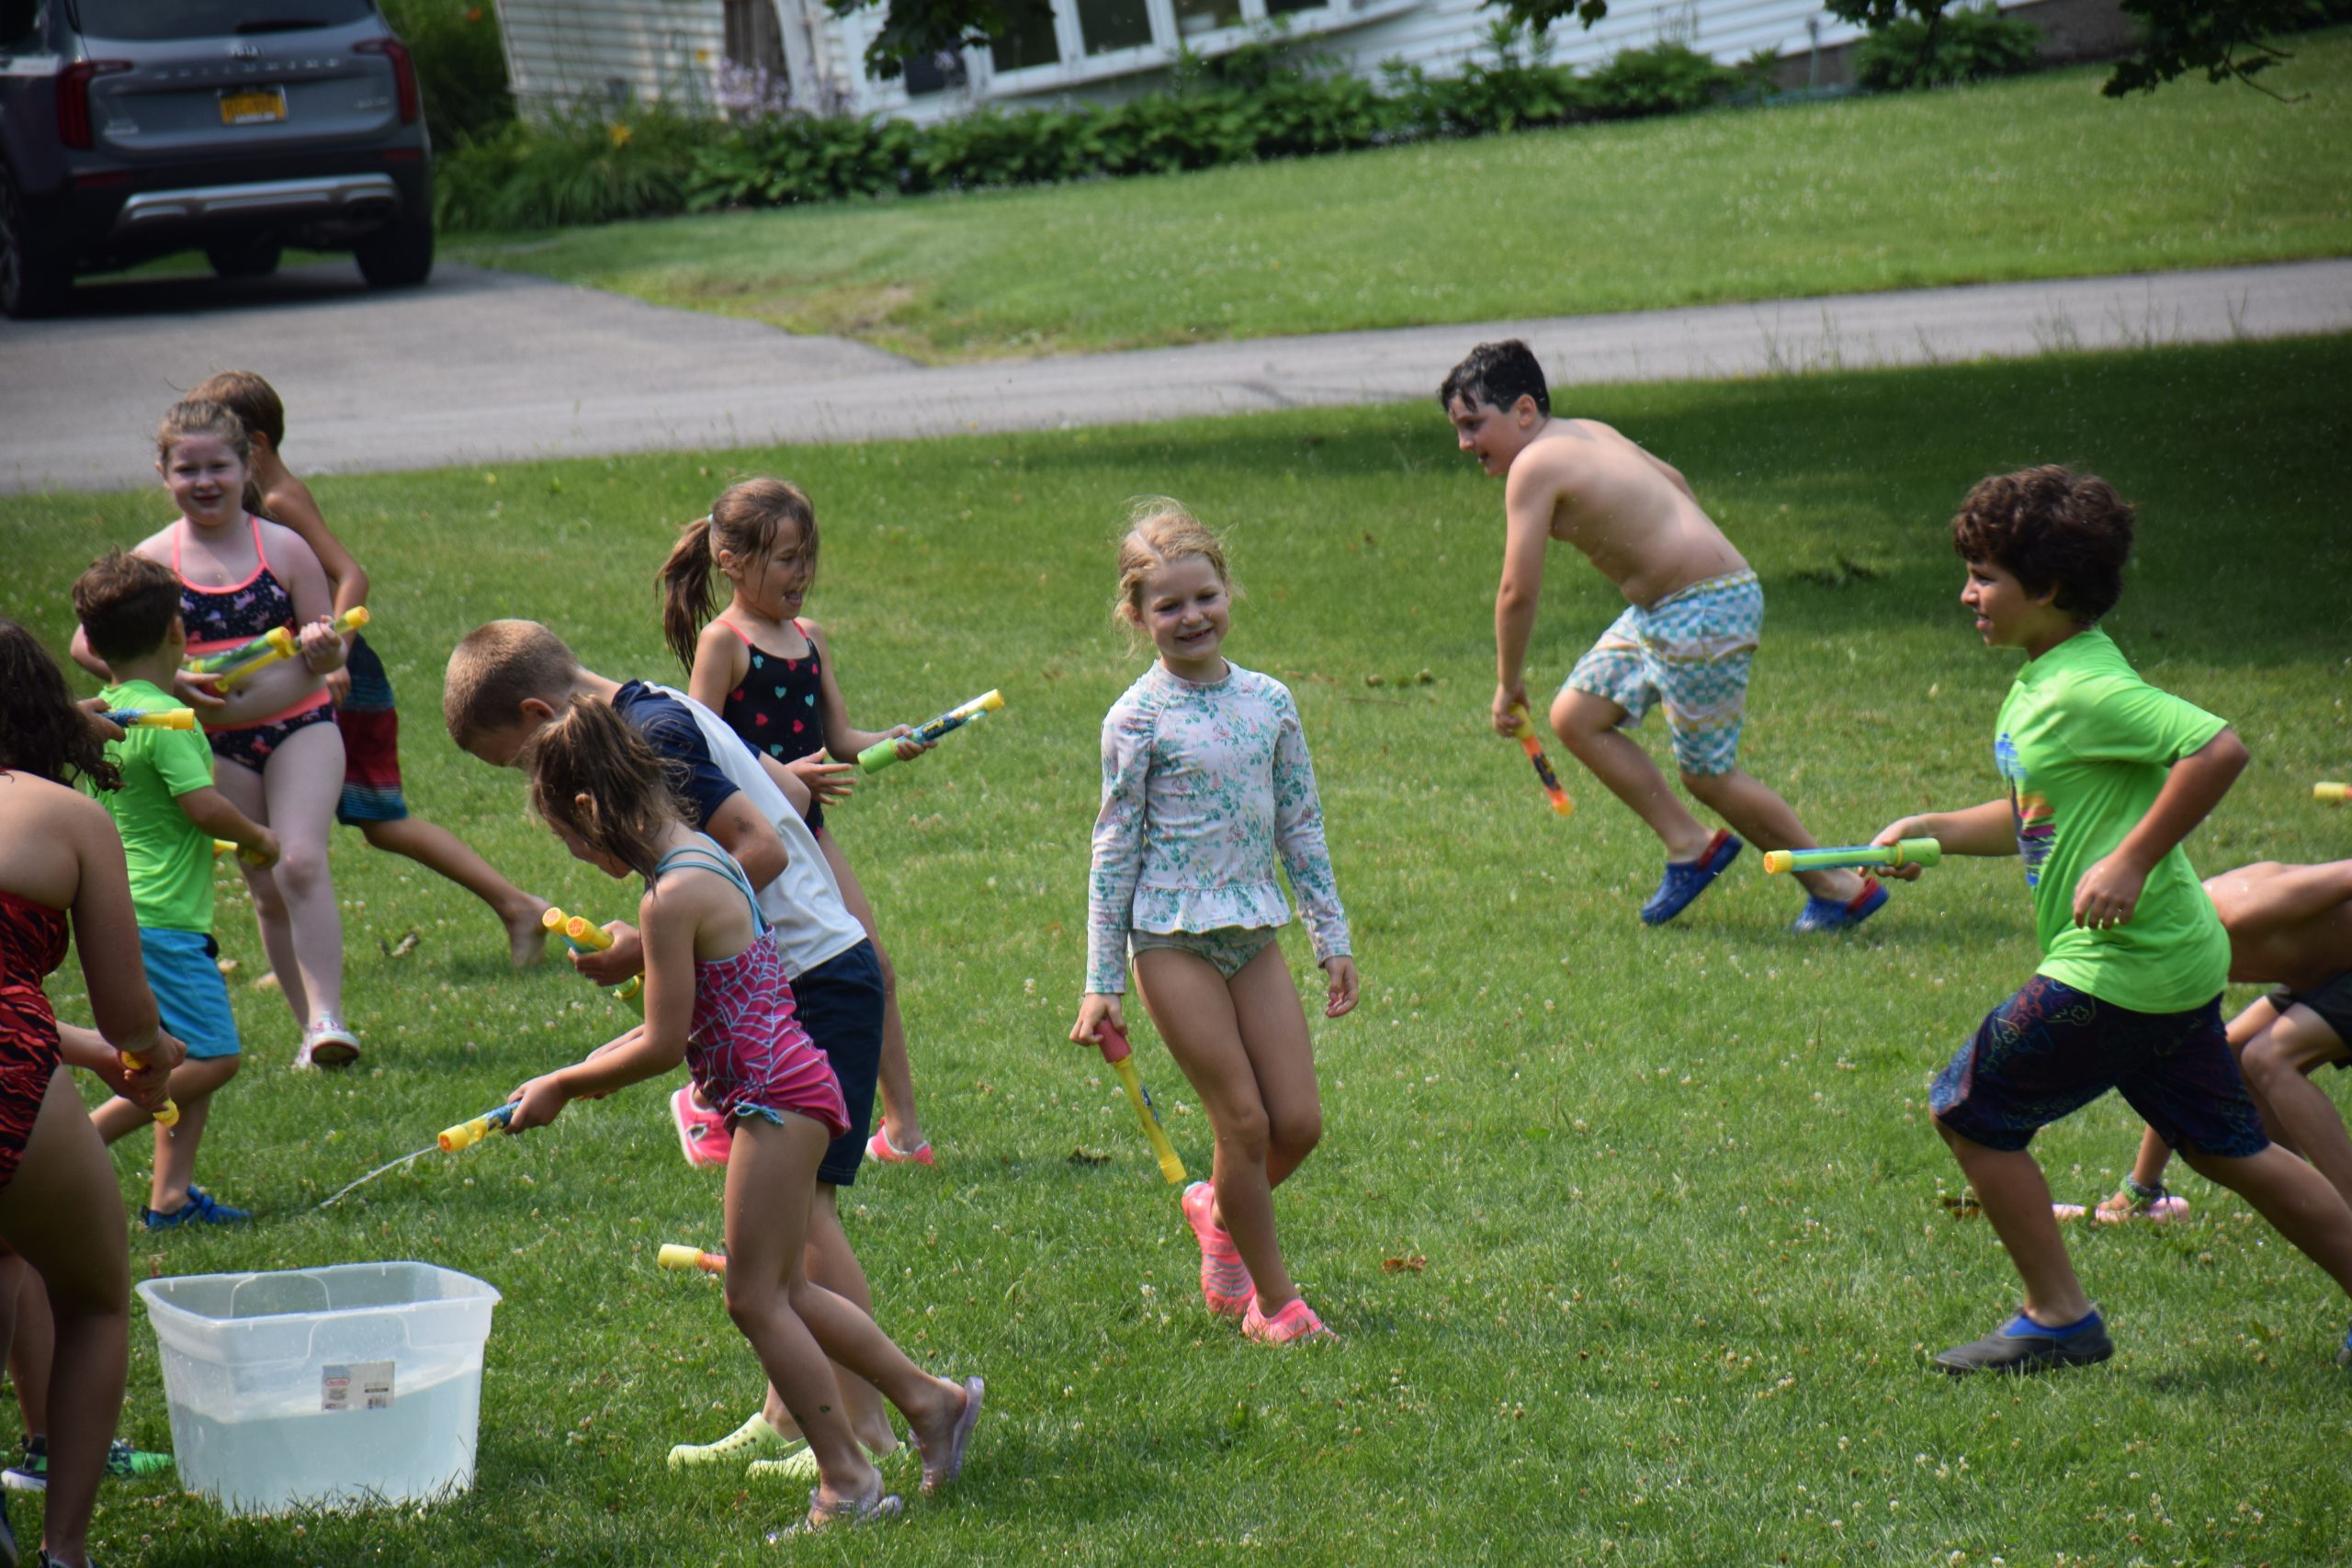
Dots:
pixel 2085 745
pixel 170 857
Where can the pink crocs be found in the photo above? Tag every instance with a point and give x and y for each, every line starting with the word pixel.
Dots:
pixel 1293 1323
pixel 1225 1279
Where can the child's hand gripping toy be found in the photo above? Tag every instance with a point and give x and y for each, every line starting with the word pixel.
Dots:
pixel 278 643
pixel 684 1259
pixel 153 718
pixel 1909 851
pixel 167 1115
pixel 582 936
pixel 465 1134
pixel 1525 733
pixel 2333 793
pixel 882 754
pixel 231 847
pixel 1115 1051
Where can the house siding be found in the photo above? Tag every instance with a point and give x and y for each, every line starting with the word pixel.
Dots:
pixel 561 51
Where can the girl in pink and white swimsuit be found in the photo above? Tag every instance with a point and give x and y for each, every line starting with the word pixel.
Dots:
pixel 278 754
pixel 716 996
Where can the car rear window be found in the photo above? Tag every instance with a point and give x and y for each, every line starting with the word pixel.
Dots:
pixel 157 19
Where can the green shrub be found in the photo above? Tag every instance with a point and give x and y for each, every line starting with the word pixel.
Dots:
pixel 1667 78
pixel 460 67
pixel 1963 46
pixel 584 166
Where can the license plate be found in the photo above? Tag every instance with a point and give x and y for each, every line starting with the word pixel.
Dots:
pixel 263 106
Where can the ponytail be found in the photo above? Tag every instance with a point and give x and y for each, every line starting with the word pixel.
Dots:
pixel 688 597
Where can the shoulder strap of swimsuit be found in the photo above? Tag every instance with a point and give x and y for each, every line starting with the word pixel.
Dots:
pixel 715 860
pixel 178 525
pixel 259 554
pixel 739 631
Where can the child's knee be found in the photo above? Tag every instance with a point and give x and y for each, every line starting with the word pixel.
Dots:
pixel 1707 788
pixel 748 1304
pixel 301 870
pixel 1245 1131
pixel 1295 1132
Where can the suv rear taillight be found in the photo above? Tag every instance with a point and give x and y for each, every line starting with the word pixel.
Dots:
pixel 73 99
pixel 403 72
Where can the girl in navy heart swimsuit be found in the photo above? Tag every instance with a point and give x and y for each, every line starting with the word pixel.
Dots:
pixel 765 670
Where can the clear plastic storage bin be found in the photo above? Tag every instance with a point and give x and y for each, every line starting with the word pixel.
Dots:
pixel 343 1386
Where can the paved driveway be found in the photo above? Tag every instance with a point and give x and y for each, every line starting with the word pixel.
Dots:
pixel 483 366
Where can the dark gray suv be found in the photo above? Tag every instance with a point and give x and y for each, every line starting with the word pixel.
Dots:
pixel 133 128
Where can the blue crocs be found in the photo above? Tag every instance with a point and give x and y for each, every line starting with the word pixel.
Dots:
pixel 1685 880
pixel 200 1210
pixel 1835 915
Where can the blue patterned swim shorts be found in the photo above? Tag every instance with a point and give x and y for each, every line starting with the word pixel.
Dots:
pixel 1691 649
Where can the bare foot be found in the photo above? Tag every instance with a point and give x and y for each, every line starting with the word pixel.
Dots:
pixel 527 938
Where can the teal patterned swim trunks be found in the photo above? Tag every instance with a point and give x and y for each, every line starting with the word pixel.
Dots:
pixel 1690 649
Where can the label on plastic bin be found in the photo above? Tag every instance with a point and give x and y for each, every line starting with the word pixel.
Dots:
pixel 362 1385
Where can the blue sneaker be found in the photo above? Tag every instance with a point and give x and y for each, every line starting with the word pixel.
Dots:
pixel 1832 915
pixel 2022 1345
pixel 200 1210
pixel 1685 880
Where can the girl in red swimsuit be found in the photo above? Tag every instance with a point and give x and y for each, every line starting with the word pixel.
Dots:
pixel 60 867
pixel 278 755
pixel 768 674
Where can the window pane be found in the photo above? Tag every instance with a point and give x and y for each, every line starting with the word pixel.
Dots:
pixel 1206 16
pixel 1284 7
pixel 1028 36
pixel 1106 25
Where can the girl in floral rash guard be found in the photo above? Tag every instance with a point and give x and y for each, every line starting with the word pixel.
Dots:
pixel 1206 782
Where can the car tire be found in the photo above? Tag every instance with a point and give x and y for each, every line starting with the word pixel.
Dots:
pixel 255 257
pixel 398 256
pixel 35 279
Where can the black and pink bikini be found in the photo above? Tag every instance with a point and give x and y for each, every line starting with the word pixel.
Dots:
pixel 219 618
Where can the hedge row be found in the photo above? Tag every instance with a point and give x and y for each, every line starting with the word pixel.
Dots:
pixel 1237 115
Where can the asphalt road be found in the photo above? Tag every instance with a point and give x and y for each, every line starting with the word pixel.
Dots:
pixel 480 367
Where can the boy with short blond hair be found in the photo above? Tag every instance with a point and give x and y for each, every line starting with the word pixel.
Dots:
pixel 2105 776
pixel 168 814
pixel 1685 641
pixel 373 799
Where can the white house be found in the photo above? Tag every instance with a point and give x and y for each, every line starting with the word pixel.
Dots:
pixel 561 52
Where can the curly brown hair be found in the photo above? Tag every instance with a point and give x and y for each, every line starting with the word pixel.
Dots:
pixel 2051 527
pixel 41 730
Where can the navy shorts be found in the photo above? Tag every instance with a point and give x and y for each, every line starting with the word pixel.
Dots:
pixel 2049 1050
pixel 840 1004
pixel 2330 1002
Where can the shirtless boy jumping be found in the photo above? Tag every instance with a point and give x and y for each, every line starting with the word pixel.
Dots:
pixel 1686 639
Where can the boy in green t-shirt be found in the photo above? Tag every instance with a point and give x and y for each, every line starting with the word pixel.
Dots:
pixel 168 814
pixel 2105 776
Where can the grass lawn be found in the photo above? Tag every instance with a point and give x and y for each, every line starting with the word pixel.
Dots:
pixel 1636 1239
pixel 2037 177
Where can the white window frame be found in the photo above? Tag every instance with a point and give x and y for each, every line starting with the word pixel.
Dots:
pixel 1076 68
